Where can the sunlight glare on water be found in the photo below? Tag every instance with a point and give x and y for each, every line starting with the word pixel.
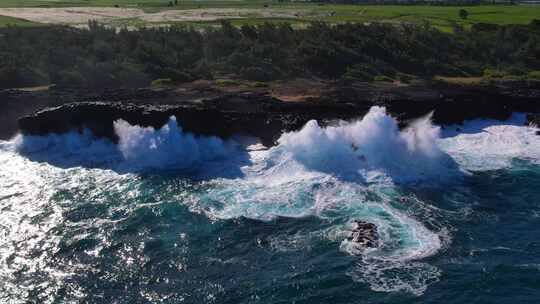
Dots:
pixel 168 216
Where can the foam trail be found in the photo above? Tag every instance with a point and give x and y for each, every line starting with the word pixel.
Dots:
pixel 489 145
pixel 271 193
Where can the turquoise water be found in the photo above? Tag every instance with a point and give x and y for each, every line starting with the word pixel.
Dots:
pixel 166 217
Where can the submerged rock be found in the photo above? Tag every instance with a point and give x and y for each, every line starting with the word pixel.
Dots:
pixel 364 234
pixel 533 119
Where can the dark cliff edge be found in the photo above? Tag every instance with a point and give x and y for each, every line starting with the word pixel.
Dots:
pixel 267 120
pixel 266 117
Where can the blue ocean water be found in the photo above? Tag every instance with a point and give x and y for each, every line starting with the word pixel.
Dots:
pixel 168 217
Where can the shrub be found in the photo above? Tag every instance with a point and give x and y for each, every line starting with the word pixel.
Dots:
pixel 132 77
pixel 259 84
pixel 485 27
pixel 102 57
pixel 256 74
pixel 18 78
pixel 382 78
pixel 405 78
pixel 491 73
pixel 463 14
pixel 534 75
pixel 162 82
pixel 227 82
pixel 362 72
pixel 176 75
pixel 203 70
pixel 70 78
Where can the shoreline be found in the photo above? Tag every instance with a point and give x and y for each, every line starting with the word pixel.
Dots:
pixel 207 109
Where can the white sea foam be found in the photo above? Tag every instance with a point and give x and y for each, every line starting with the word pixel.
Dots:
pixel 341 171
pixel 371 147
pixel 168 147
pixel 323 172
pixel 315 171
pixel 139 148
pixel 67 148
pixel 392 276
pixel 480 145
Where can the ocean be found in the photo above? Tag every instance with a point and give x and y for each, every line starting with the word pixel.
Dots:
pixel 165 216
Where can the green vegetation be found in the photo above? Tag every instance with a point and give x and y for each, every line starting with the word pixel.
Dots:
pixel 535 75
pixel 9 21
pixel 383 43
pixel 227 82
pixel 441 17
pixel 167 82
pixel 463 14
pixel 382 78
pixel 101 57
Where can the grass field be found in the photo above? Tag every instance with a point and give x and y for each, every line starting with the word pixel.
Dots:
pixel 442 17
pixel 9 21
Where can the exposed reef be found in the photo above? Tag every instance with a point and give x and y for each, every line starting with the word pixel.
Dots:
pixel 364 234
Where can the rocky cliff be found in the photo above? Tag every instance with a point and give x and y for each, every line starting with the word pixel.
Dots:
pixel 259 114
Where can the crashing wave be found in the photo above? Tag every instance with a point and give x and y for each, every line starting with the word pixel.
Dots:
pixel 138 148
pixel 371 147
pixel 168 147
pixel 342 172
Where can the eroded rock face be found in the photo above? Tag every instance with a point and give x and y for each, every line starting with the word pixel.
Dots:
pixel 364 234
pixel 257 113
pixel 263 118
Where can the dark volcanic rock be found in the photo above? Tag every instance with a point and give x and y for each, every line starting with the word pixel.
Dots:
pixel 258 114
pixel 456 104
pixel 262 117
pixel 364 234
pixel 533 119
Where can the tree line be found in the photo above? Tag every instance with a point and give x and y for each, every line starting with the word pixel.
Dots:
pixel 101 57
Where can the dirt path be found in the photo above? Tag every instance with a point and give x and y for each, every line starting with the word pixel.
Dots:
pixel 81 15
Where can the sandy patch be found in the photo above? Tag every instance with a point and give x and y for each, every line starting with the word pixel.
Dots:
pixel 81 15
pixel 70 16
pixel 298 90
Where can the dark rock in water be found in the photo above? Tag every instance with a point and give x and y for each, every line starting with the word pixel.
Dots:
pixel 364 234
pixel 533 119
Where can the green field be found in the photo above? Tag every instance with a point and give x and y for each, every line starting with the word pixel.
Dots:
pixel 9 21
pixel 443 17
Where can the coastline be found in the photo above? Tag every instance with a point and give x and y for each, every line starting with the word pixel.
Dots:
pixel 206 108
